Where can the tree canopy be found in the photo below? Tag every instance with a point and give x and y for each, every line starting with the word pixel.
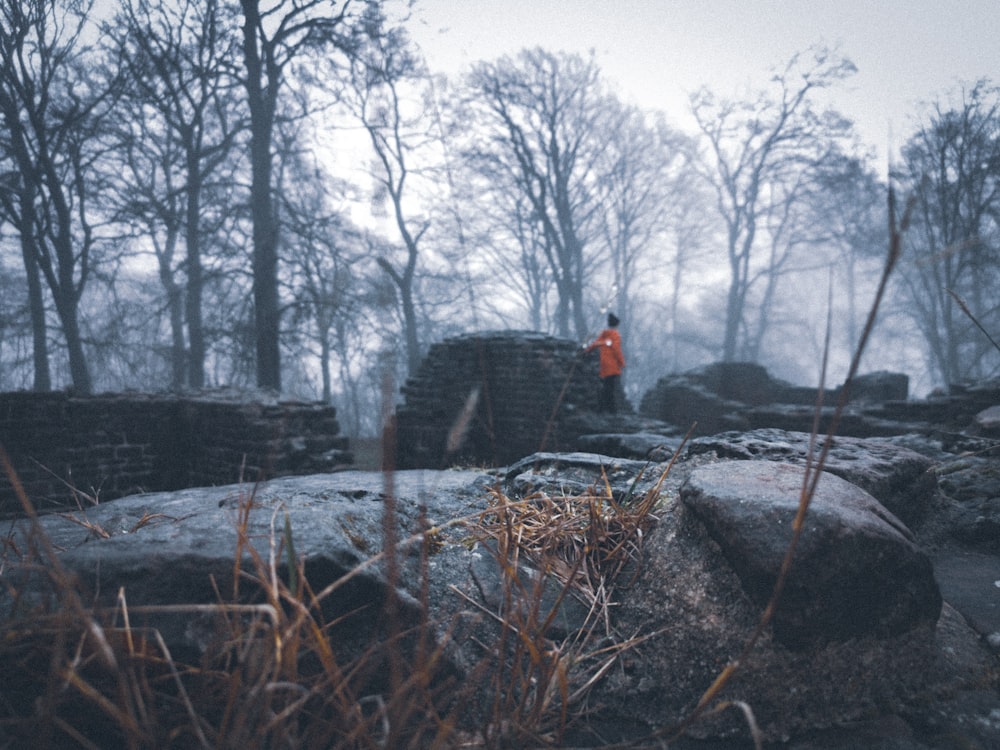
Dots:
pixel 281 194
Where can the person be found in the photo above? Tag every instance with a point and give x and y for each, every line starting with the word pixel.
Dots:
pixel 609 342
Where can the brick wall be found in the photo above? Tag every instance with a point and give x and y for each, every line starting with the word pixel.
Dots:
pixel 113 445
pixel 505 394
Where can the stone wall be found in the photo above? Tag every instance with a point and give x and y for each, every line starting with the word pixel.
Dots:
pixel 496 397
pixel 113 445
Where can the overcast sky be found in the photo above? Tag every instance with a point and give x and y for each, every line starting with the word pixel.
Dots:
pixel 906 51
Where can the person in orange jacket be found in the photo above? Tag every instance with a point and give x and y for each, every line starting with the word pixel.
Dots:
pixel 609 342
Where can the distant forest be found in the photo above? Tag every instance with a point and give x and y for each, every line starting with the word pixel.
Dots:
pixel 279 194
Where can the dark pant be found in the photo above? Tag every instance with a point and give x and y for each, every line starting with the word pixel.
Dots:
pixel 609 394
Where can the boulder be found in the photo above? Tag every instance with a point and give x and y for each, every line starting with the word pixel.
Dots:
pixel 696 613
pixel 856 570
pixel 691 405
pixel 901 479
pixel 179 548
pixel 988 422
pixel 876 387
pixel 746 382
pixel 742 395
pixel 969 511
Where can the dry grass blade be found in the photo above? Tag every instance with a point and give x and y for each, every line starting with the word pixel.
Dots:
pixel 965 309
pixel 748 715
pixel 94 528
pixel 460 428
pixel 813 472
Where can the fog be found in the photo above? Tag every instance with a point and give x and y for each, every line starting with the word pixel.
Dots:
pixel 314 226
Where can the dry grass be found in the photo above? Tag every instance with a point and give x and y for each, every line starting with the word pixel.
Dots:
pixel 82 676
pixel 587 543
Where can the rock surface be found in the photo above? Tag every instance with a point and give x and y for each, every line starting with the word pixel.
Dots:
pixel 696 596
pixel 179 548
pixel 856 570
pixel 899 478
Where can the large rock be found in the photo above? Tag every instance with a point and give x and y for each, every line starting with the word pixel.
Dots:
pixel 742 396
pixel 901 479
pixel 876 387
pixel 856 570
pixel 690 405
pixel 988 422
pixel 696 614
pixel 180 548
pixel 969 511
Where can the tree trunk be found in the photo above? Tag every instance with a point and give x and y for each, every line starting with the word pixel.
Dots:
pixel 261 100
pixel 324 364
pixel 78 371
pixel 734 313
pixel 42 377
pixel 195 282
pixel 66 291
pixel 36 304
pixel 410 324
pixel 178 352
pixel 196 331
pixel 265 273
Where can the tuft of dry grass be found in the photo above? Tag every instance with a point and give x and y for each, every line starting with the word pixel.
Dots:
pixel 586 543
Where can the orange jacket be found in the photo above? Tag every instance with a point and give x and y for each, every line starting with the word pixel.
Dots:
pixel 612 359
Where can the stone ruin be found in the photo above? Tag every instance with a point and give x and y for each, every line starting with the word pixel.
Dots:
pixel 492 398
pixel 111 445
pixel 484 399
pixel 489 399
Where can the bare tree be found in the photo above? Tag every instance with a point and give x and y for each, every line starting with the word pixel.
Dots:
pixel 502 245
pixel 689 238
pixel 511 245
pixel 276 32
pixel 754 151
pixel 182 120
pixel 640 177
pixel 18 208
pixel 667 261
pixel 389 90
pixel 326 259
pixel 952 166
pixel 16 350
pixel 544 128
pixel 850 204
pixel 52 110
pixel 789 247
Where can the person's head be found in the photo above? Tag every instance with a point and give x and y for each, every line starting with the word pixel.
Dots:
pixel 612 321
